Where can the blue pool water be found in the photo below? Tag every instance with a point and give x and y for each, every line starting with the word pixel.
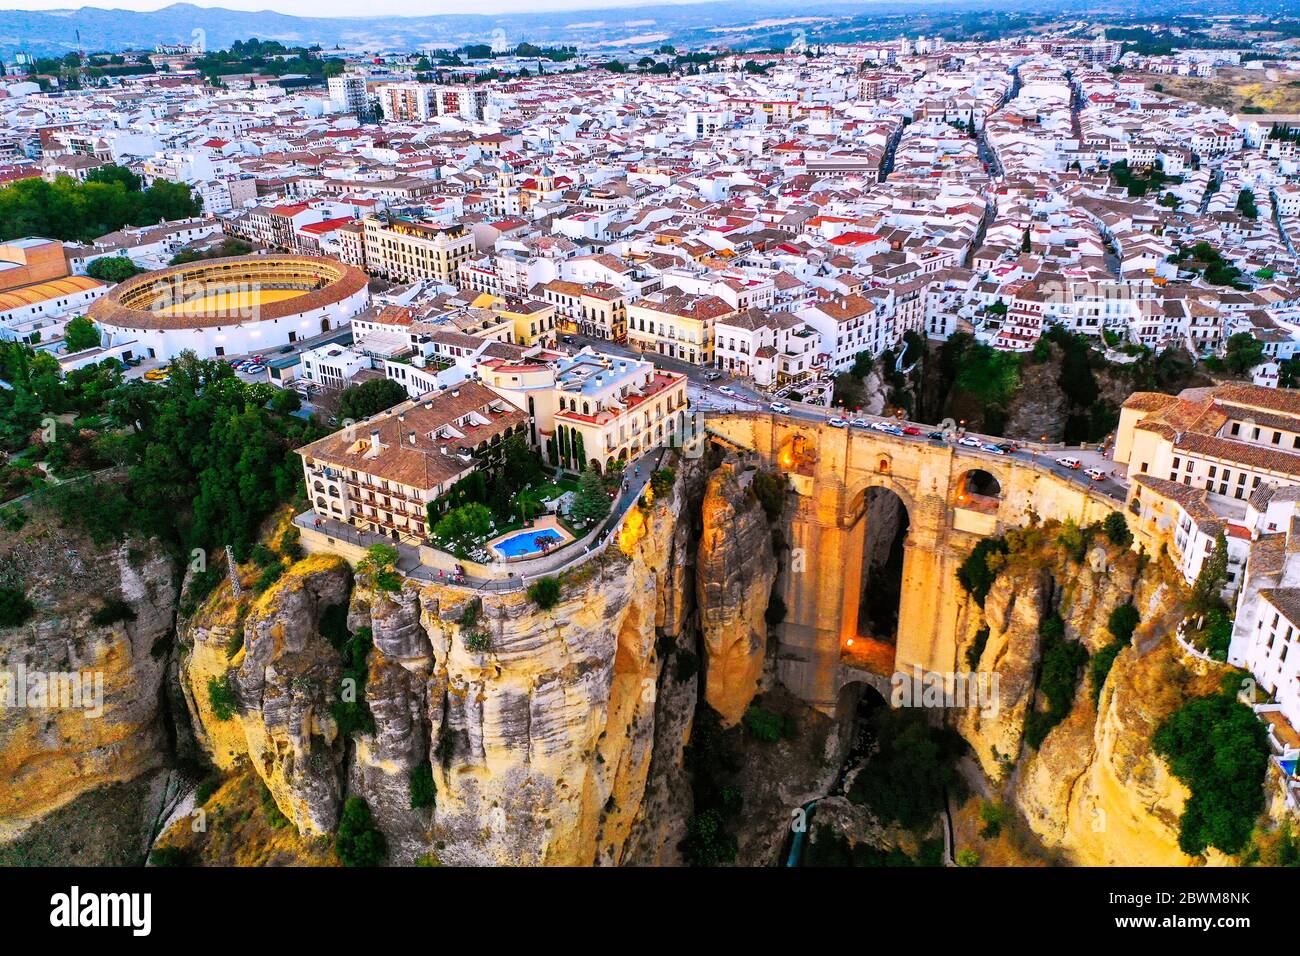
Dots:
pixel 525 542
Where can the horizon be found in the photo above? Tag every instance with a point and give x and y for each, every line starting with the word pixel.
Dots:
pixel 342 9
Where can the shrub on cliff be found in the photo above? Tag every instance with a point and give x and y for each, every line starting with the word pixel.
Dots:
pixel 14 607
pixel 1116 527
pixel 1218 748
pixel 359 842
pixel 1058 678
pixel 1123 620
pixel 350 710
pixel 222 697
pixel 423 791
pixel 112 611
pixel 769 489
pixel 545 593
pixel 1099 668
pixel 977 573
pixel 768 725
pixel 661 482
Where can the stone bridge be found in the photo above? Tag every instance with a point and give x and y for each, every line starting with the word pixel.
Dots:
pixel 949 503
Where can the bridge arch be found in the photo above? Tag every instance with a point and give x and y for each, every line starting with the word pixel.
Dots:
pixel 978 488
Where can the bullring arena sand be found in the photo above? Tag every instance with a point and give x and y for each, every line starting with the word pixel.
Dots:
pixel 239 301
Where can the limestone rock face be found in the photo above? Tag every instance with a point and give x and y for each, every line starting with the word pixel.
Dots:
pixel 1094 792
pixel 1012 613
pixel 1095 789
pixel 542 743
pixel 112 731
pixel 735 569
pixel 284 679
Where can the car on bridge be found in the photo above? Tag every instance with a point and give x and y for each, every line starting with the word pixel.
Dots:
pixel 1071 463
pixel 992 449
pixel 970 441
pixel 780 407
pixel 860 423
pixel 1096 474
pixel 838 423
pixel 911 430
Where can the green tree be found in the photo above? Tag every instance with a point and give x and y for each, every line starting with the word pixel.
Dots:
pixel 1116 529
pixel 359 841
pixel 545 593
pixel 1218 748
pixel 81 334
pixel 369 398
pixel 15 608
pixel 590 502
pixel 112 269
pixel 1208 587
pixel 1242 352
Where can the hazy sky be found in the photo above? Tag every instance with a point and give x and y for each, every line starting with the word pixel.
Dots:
pixel 346 8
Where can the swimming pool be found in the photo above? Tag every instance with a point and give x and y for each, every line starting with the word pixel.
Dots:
pixel 532 541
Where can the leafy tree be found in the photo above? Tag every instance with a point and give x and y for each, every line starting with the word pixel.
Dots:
pixel 369 398
pixel 1208 587
pixel 1218 748
pixel 81 334
pixel 286 401
pixel 912 766
pixel 108 200
pixel 359 841
pixel 467 523
pixel 112 269
pixel 1242 352
pixel 1116 529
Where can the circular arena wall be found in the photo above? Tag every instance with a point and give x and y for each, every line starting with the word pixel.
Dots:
pixel 218 307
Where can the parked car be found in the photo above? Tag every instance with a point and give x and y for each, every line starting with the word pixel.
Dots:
pixel 838 423
pixel 157 375
pixel 1070 463
pixel 728 390
pixel 780 407
pixel 567 340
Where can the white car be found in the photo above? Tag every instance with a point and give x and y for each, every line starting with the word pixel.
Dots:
pixel 970 441
pixel 781 407
pixel 1096 474
pixel 726 390
pixel 860 423
pixel 837 423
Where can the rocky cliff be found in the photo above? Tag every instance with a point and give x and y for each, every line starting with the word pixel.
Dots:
pixel 735 571
pixel 83 676
pixel 1093 790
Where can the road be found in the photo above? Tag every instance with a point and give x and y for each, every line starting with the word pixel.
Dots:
pixel 707 399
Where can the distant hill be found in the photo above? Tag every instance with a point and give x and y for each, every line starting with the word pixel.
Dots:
pixel 750 24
